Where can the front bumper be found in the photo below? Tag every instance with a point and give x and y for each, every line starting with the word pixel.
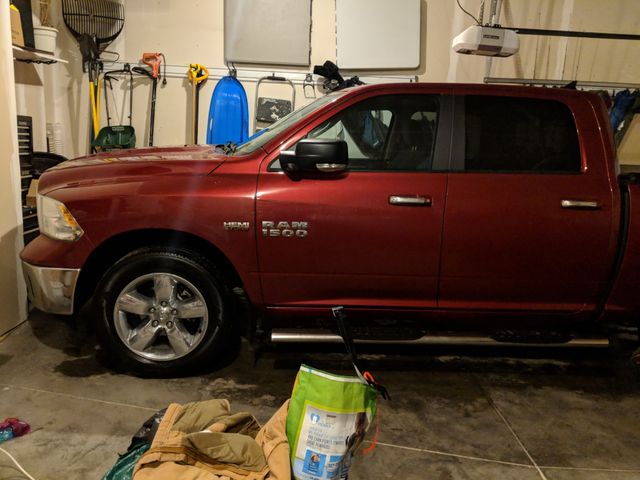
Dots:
pixel 51 289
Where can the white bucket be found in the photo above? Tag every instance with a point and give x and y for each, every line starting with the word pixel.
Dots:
pixel 45 38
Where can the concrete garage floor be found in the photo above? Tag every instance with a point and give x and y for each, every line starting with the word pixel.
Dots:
pixel 495 414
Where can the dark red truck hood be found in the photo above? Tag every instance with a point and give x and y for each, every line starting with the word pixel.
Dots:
pixel 123 165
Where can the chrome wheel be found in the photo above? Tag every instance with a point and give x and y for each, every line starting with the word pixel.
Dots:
pixel 161 316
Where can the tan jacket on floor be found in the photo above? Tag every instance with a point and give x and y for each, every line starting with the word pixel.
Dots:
pixel 205 441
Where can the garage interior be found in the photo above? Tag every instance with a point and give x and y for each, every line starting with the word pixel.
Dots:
pixel 474 411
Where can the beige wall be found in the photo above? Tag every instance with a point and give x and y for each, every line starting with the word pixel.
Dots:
pixel 629 149
pixel 30 99
pixel 12 290
pixel 193 32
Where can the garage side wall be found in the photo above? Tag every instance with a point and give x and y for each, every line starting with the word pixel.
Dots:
pixel 12 290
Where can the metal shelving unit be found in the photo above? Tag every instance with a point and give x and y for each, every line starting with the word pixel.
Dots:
pixel 32 55
pixel 25 148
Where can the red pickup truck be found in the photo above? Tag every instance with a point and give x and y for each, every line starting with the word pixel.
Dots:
pixel 417 207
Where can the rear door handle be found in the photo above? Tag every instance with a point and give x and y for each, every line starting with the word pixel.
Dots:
pixel 580 205
pixel 410 200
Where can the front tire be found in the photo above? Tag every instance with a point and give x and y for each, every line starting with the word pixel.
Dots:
pixel 163 312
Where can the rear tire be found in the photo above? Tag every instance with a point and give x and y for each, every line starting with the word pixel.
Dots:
pixel 164 312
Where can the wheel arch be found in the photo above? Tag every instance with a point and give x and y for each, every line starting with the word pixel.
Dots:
pixel 114 248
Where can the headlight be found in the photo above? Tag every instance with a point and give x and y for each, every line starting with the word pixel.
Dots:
pixel 55 220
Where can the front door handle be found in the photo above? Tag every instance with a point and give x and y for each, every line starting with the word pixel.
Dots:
pixel 580 205
pixel 410 200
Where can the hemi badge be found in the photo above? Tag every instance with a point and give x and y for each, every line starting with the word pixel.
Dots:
pixel 234 226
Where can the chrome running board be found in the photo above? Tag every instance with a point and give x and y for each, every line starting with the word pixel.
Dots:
pixel 326 336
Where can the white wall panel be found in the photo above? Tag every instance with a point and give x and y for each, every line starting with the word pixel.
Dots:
pixel 267 31
pixel 375 34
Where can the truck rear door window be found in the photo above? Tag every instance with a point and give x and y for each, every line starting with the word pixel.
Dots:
pixel 513 134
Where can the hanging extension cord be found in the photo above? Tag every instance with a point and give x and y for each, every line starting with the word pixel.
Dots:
pixel 24 472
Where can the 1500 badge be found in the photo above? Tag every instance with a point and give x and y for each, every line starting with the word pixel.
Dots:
pixel 285 229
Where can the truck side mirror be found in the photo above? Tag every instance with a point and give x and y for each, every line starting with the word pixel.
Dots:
pixel 316 155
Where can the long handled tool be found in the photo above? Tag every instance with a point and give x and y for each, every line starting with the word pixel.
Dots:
pixel 94 96
pixel 154 60
pixel 197 75
pixel 94 24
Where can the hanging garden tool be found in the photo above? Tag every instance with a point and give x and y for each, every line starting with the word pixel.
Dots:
pixel 154 60
pixel 197 75
pixel 269 110
pixel 94 24
pixel 118 136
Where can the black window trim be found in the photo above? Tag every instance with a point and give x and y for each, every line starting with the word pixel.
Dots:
pixel 443 141
pixel 458 145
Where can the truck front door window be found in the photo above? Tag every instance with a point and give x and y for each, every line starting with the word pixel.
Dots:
pixel 365 131
pixel 386 133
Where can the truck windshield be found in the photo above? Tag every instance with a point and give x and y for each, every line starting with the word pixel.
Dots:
pixel 264 136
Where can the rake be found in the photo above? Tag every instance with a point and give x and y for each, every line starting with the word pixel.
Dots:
pixel 102 20
pixel 94 24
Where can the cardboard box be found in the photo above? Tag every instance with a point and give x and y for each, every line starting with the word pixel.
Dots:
pixel 16 27
pixel 26 20
pixel 31 194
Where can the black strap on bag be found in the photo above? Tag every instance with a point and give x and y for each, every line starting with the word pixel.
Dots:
pixel 347 339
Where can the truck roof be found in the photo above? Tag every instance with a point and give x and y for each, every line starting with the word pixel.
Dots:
pixel 465 87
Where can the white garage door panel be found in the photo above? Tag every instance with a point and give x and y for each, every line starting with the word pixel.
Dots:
pixel 267 31
pixel 378 33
